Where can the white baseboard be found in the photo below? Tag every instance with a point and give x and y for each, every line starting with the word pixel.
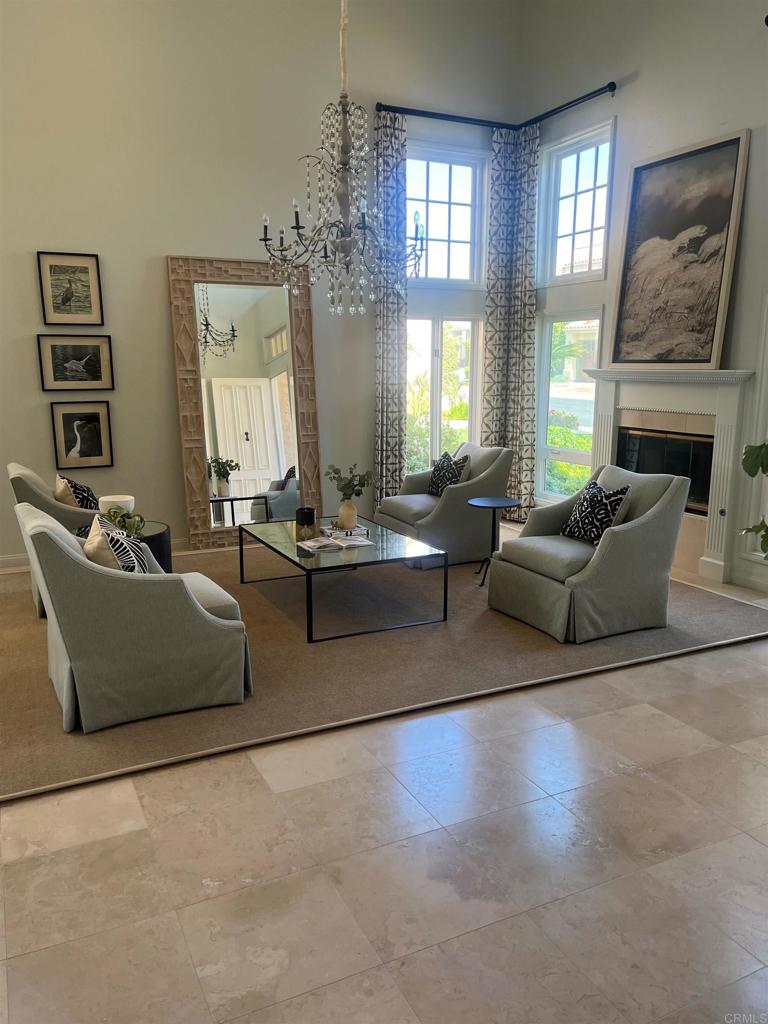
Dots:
pixel 20 563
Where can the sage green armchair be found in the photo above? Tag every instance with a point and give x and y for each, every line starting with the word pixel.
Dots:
pixel 122 647
pixel 29 487
pixel 448 522
pixel 575 591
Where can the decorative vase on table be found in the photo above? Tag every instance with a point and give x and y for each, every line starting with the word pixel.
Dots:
pixel 347 515
pixel 349 486
pixel 222 486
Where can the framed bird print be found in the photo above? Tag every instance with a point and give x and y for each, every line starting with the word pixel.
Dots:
pixel 82 436
pixel 70 362
pixel 70 288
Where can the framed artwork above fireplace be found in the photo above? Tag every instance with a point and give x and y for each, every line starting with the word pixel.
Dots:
pixel 679 248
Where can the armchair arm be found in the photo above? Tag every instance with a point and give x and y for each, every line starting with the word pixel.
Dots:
pixel 69 516
pixel 416 483
pixel 546 520
pixel 641 549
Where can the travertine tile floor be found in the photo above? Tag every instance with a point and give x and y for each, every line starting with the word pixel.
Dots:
pixel 588 852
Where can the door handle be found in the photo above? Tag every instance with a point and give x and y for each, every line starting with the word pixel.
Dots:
pixel 247 436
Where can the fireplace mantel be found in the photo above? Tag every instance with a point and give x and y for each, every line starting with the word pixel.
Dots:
pixel 691 376
pixel 717 393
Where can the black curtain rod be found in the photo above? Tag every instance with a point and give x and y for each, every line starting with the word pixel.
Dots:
pixel 460 119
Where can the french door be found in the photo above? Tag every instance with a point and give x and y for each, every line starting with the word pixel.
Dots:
pixel 442 383
pixel 244 424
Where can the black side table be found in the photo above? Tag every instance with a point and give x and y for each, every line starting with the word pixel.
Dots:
pixel 494 504
pixel 157 537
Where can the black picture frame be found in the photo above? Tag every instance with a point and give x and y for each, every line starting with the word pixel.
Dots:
pixel 51 376
pixel 65 432
pixel 71 265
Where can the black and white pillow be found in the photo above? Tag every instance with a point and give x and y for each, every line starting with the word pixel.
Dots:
pixel 113 548
pixel 595 511
pixel 70 492
pixel 290 475
pixel 447 471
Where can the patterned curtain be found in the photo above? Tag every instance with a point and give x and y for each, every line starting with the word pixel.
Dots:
pixel 391 381
pixel 509 366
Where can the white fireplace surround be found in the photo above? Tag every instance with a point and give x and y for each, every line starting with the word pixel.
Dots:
pixel 715 393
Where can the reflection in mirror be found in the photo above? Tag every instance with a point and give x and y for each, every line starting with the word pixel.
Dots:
pixel 246 372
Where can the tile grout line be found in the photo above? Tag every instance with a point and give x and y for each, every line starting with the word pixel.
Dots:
pixel 192 964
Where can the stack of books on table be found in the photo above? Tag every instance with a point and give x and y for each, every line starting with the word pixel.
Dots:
pixel 335 532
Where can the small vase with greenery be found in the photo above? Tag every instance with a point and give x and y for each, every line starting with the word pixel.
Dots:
pixel 130 523
pixel 221 468
pixel 350 486
pixel 754 460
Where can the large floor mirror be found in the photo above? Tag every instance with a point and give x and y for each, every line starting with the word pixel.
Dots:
pixel 245 373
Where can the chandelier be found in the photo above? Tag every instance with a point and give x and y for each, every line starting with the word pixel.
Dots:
pixel 211 340
pixel 344 238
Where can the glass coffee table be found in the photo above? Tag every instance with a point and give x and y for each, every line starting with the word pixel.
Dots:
pixel 387 548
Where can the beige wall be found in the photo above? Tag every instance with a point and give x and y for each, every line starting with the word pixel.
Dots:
pixel 142 128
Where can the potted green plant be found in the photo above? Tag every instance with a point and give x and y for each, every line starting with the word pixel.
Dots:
pixel 221 469
pixel 349 486
pixel 130 522
pixel 754 460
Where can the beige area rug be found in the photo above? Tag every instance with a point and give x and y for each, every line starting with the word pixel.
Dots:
pixel 301 687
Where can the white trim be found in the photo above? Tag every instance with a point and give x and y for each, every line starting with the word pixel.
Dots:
pixel 548 204
pixel 479 160
pixel 679 376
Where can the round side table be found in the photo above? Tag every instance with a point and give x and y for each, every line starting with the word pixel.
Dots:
pixel 494 504
pixel 157 537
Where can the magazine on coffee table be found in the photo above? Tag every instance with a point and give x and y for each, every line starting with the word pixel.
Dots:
pixel 334 543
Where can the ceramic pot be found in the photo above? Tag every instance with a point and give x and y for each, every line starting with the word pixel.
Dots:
pixel 347 515
pixel 222 488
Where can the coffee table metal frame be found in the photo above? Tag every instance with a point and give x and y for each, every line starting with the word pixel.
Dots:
pixel 311 571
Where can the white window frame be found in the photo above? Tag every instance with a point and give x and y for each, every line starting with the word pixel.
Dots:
pixel 269 340
pixel 436 376
pixel 479 161
pixel 548 204
pixel 543 349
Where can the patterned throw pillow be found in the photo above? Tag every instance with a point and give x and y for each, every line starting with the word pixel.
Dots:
pixel 290 475
pixel 70 492
pixel 113 548
pixel 447 471
pixel 595 511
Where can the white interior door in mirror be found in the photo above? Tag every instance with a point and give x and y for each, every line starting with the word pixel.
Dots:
pixel 245 432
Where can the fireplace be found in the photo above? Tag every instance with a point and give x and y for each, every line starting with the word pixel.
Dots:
pixel 664 451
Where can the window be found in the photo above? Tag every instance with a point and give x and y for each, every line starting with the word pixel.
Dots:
pixel 276 344
pixel 574 203
pixel 442 202
pixel 441 357
pixel 566 403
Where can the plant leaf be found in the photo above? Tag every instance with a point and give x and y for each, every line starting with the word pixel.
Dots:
pixel 753 459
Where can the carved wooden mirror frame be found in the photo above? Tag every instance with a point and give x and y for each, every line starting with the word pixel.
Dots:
pixel 184 272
